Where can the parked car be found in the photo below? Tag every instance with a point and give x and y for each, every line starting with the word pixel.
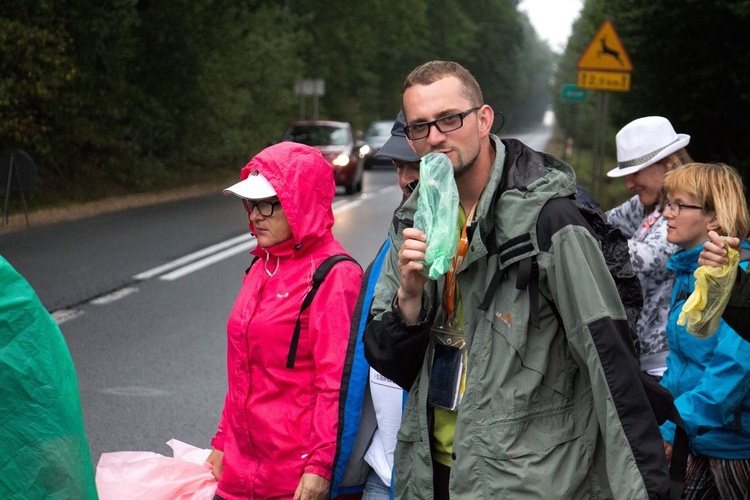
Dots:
pixel 336 142
pixel 377 133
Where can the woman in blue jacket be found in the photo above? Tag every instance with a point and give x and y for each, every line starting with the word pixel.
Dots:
pixel 709 378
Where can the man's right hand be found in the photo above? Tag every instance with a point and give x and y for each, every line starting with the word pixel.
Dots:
pixel 668 451
pixel 713 253
pixel 216 459
pixel 410 263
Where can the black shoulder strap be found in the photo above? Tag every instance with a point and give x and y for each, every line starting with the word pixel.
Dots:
pixel 251 264
pixel 662 404
pixel 320 274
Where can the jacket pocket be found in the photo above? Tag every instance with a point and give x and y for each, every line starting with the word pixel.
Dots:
pixel 518 454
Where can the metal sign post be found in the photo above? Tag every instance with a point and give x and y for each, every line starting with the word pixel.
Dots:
pixel 310 87
pixel 17 173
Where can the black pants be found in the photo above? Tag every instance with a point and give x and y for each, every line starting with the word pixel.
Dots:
pixel 441 475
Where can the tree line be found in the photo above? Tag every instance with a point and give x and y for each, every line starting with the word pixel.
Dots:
pixel 126 95
pixel 691 64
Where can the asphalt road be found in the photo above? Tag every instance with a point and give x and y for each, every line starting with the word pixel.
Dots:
pixel 148 341
pixel 142 297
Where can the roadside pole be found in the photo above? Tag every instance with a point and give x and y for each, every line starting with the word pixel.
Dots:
pixel 604 66
pixel 315 88
pixel 571 94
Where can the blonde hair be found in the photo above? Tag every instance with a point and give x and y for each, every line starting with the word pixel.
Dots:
pixel 432 71
pixel 669 162
pixel 718 188
pixel 679 158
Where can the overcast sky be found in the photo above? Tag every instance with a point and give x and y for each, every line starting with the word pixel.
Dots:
pixel 552 19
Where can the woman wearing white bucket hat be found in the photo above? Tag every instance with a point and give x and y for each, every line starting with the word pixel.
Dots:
pixel 647 148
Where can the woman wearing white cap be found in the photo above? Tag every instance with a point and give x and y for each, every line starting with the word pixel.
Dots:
pixel 278 433
pixel 647 148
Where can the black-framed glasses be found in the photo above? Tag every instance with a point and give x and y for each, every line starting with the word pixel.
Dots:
pixel 444 124
pixel 265 208
pixel 676 207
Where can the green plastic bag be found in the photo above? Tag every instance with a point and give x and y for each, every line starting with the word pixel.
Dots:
pixel 45 453
pixel 437 213
pixel 713 286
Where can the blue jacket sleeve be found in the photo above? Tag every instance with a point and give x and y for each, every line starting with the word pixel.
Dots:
pixel 722 388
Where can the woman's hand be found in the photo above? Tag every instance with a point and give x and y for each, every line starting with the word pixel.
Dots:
pixel 713 253
pixel 312 487
pixel 216 459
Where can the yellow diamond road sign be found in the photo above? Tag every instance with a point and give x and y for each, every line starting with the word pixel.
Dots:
pixel 605 52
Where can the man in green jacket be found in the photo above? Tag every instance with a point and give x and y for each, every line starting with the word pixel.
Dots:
pixel 551 404
pixel 737 312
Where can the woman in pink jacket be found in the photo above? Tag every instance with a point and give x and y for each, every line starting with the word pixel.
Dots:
pixel 278 430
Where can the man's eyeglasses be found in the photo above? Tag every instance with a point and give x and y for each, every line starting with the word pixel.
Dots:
pixel 676 207
pixel 265 208
pixel 448 123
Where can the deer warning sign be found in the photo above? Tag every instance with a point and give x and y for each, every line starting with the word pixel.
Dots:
pixel 605 52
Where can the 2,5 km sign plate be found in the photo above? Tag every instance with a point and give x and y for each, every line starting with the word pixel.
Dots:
pixel 604 80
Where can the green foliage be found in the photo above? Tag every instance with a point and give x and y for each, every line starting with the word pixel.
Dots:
pixel 130 95
pixel 34 69
pixel 691 63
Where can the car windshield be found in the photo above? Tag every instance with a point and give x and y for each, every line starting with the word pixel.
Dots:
pixel 318 135
pixel 380 128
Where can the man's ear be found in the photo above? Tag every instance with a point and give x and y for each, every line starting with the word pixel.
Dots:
pixel 486 116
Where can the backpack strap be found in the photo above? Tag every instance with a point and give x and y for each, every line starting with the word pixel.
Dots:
pixel 680 451
pixel 251 264
pixel 512 248
pixel 320 274
pixel 528 277
pixel 663 407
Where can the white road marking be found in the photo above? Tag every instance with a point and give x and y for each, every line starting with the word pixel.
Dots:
pixel 113 296
pixel 193 256
pixel 134 391
pixel 189 264
pixel 207 261
pixel 210 255
pixel 62 315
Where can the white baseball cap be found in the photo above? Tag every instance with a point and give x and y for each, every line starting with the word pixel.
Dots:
pixel 643 142
pixel 254 187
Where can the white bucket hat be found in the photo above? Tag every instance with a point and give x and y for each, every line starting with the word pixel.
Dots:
pixel 254 187
pixel 643 142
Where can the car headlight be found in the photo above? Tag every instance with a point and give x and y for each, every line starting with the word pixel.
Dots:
pixel 364 151
pixel 341 160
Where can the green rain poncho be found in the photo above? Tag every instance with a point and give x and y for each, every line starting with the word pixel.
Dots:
pixel 44 452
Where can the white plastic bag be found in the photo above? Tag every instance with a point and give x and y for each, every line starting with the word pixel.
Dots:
pixel 144 474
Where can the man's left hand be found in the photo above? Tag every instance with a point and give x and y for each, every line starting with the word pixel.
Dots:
pixel 312 487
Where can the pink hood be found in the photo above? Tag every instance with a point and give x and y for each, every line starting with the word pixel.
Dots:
pixel 304 183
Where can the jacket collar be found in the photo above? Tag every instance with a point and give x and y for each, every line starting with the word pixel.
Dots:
pixel 685 260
